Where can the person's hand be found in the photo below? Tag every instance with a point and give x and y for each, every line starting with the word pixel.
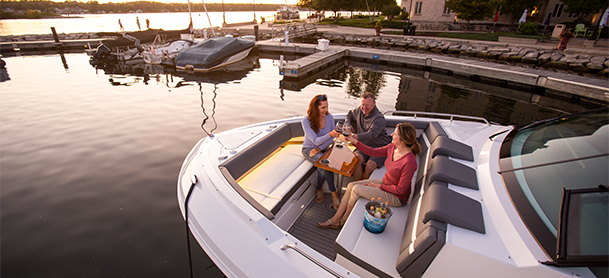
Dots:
pixel 352 138
pixel 334 134
pixel 315 151
pixel 372 184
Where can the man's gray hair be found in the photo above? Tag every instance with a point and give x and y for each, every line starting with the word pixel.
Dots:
pixel 368 95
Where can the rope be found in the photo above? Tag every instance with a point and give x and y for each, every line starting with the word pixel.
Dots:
pixel 192 186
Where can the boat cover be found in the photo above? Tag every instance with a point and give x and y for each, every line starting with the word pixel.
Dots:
pixel 212 52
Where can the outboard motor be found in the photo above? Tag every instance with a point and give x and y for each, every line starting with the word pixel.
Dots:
pixel 101 54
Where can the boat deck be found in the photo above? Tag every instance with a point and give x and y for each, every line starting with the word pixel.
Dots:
pixel 305 228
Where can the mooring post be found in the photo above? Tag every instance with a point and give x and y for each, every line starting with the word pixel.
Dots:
pixel 287 36
pixel 55 34
pixel 256 32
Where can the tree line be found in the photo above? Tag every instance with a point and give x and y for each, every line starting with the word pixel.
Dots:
pixel 466 9
pixel 484 9
pixel 49 7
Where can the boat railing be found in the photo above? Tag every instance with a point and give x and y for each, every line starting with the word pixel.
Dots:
pixel 450 117
pixel 312 259
pixel 295 30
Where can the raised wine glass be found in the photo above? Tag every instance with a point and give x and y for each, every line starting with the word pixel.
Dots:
pixel 346 130
pixel 339 126
pixel 339 129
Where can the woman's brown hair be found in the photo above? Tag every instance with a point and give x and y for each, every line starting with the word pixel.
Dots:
pixel 408 135
pixel 313 111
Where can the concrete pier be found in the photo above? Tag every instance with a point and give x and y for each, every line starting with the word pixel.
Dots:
pixel 33 46
pixel 301 68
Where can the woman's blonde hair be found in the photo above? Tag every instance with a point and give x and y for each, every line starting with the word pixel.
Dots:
pixel 408 135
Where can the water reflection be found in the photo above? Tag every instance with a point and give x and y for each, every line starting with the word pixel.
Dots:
pixel 63 61
pixel 417 89
pixel 434 96
pixel 213 109
pixel 3 71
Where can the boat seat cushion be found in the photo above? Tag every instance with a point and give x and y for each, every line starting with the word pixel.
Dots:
pixel 434 130
pixel 441 168
pixel 271 181
pixel 449 147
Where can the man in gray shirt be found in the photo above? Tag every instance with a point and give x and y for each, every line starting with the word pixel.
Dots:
pixel 368 125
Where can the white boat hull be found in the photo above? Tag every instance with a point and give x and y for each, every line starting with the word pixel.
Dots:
pixel 244 239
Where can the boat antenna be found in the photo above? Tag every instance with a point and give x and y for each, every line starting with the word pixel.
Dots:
pixel 212 27
pixel 190 26
pixel 223 15
pixel 189 12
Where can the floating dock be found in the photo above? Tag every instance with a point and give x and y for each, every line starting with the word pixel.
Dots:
pixel 318 59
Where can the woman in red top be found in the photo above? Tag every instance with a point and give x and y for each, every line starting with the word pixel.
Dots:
pixel 396 183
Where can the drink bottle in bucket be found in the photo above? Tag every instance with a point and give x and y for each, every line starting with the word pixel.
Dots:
pixel 376 216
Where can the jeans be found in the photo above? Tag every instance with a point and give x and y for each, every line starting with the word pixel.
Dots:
pixel 322 175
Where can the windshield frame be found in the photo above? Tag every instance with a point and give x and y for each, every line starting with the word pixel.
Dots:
pixel 544 235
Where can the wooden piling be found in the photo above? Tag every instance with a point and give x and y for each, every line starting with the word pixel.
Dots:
pixel 55 34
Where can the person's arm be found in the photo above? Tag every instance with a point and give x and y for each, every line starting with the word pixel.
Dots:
pixel 378 125
pixel 382 151
pixel 404 182
pixel 318 141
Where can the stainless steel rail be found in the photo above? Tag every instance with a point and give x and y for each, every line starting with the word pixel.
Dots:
pixel 449 116
pixel 312 259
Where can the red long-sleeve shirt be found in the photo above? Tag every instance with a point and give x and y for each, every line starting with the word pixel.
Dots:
pixel 397 179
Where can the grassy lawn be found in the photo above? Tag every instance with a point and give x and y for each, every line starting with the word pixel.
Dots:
pixel 473 36
pixel 364 22
pixel 352 22
pixel 488 36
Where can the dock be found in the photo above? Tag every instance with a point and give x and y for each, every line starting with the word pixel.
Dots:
pixel 317 60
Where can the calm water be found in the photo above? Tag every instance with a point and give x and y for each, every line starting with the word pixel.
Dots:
pixel 109 22
pixel 89 160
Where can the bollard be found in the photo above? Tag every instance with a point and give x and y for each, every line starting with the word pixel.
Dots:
pixel 55 34
pixel 256 32
pixel 286 37
pixel 281 61
pixel 204 34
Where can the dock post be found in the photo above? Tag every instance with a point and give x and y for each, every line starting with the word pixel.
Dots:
pixel 286 37
pixel 55 34
pixel 256 32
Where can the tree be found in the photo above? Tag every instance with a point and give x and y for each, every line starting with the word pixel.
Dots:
pixel 472 9
pixel 584 7
pixel 325 5
pixel 391 10
pixel 517 7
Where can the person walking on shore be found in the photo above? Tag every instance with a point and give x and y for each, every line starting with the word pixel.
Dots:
pixel 120 24
pixel 137 20
pixel 147 23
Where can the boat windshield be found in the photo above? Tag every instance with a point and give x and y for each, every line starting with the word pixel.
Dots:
pixel 538 161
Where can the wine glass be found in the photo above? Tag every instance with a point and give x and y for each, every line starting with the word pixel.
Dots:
pixel 347 129
pixel 339 129
pixel 339 126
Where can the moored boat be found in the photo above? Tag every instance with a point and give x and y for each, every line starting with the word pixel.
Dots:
pixel 487 201
pixel 156 54
pixel 129 46
pixel 213 53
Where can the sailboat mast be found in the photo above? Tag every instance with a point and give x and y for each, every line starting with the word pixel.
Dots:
pixel 211 26
pixel 190 26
